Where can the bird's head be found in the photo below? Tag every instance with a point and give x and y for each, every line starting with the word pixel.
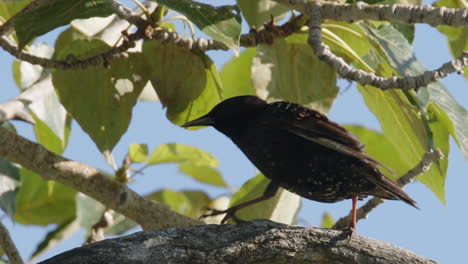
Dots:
pixel 231 111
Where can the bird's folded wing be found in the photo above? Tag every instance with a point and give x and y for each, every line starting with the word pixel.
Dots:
pixel 327 134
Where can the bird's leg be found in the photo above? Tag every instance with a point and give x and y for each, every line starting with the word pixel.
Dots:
pixel 270 191
pixel 352 225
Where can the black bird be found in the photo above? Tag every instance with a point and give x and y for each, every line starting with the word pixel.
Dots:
pixel 300 150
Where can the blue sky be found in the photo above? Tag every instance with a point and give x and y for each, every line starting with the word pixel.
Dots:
pixel 435 231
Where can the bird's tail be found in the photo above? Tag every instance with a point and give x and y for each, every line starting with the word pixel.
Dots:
pixel 391 190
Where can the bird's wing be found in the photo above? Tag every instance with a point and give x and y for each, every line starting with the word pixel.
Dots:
pixel 316 127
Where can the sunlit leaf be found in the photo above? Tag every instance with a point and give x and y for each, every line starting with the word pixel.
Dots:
pixel 9 182
pixel 457 37
pixel 199 202
pixel 40 202
pixel 100 99
pixel 52 127
pixel 282 208
pixel 288 70
pixel 187 83
pixel 55 237
pixel 203 173
pixel 401 114
pixel 236 75
pixel 56 13
pixel 88 211
pixel 259 12
pixel 175 200
pixel 327 220
pixel 120 225
pixel 179 153
pixel 10 8
pixel 194 162
pixel 138 152
pixel 381 149
pixel 222 23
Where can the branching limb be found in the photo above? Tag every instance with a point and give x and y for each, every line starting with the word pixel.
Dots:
pixel 90 181
pixel 6 243
pixel 346 71
pixel 429 157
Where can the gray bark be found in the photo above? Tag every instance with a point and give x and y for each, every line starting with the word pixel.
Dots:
pixel 259 241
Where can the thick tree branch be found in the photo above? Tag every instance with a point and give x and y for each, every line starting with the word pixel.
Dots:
pixel 429 157
pixel 405 14
pixel 6 243
pixel 90 181
pixel 259 241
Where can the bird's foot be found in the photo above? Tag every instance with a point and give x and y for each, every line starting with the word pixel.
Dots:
pixel 230 214
pixel 349 231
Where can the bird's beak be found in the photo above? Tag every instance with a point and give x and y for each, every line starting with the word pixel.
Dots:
pixel 201 121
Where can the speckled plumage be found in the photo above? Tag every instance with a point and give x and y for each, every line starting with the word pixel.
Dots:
pixel 301 150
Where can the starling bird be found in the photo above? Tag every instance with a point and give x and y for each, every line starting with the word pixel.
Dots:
pixel 300 150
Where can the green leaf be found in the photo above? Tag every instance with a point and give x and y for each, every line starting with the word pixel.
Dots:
pixel 40 202
pixel 381 149
pixel 222 23
pixel 194 162
pixel 120 225
pixel 88 211
pixel 100 99
pixel 175 200
pixel 348 41
pixel 457 37
pixel 55 237
pixel 259 12
pixel 179 153
pixel 138 152
pixel 187 83
pixel 288 70
pixel 52 127
pixel 327 220
pixel 199 201
pixel 401 114
pixel 203 173
pixel 403 59
pixel 282 208
pixel 10 8
pixel 236 75
pixel 56 13
pixel 9 182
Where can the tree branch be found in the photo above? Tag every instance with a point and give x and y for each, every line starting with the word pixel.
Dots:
pixel 258 241
pixel 429 157
pixel 405 14
pixel 6 243
pixel 346 71
pixel 90 181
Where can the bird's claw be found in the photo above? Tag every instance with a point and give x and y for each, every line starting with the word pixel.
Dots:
pixel 230 213
pixel 350 230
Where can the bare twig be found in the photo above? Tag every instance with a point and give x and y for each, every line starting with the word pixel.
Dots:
pixel 429 157
pixel 8 246
pixel 90 181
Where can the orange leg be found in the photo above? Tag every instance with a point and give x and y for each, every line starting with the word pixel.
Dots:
pixel 352 225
